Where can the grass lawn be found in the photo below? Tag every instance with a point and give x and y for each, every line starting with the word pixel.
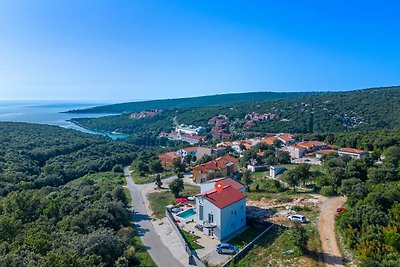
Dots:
pixel 260 175
pixel 191 240
pixel 159 200
pixel 148 178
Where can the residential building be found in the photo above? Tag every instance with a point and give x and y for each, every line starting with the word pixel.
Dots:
pixel 167 159
pixel 295 151
pixel 225 165
pixel 209 185
pixel 352 152
pixel 312 146
pixel 221 213
pixel 189 129
pixel 199 152
pixel 286 139
pixel 319 154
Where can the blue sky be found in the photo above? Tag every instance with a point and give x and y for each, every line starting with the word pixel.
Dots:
pixel 131 49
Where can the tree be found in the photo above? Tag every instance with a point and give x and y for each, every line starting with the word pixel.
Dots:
pixel 247 179
pixel 178 166
pixel 291 178
pixel 277 143
pixel 176 187
pixel 283 157
pixel 158 181
pixel 118 168
pixel 155 166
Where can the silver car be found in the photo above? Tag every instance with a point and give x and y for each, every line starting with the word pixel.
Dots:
pixel 225 248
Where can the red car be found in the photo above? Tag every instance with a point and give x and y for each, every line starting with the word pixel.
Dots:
pixel 339 210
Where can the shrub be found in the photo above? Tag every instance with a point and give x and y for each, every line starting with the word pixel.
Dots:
pixel 328 191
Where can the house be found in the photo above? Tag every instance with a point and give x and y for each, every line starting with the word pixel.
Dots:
pixel 352 152
pixel 269 140
pixel 286 139
pixel 226 165
pixel 209 185
pixel 319 154
pixel 295 151
pixel 199 152
pixel 221 213
pixel 191 138
pixel 192 151
pixel 234 145
pixel 312 146
pixel 189 129
pixel 167 159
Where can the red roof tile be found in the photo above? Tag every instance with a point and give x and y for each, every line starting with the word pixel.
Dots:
pixel 352 150
pixel 217 164
pixel 228 181
pixel 326 151
pixel 225 198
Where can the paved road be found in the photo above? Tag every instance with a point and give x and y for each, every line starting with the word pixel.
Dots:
pixel 330 250
pixel 160 254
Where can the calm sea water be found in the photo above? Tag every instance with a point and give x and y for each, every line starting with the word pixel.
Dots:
pixel 46 112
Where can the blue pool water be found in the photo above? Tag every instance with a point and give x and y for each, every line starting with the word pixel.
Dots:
pixel 187 213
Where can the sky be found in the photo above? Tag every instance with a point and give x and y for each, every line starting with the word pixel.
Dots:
pixel 135 50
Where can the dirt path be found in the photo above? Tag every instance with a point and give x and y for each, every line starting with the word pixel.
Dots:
pixel 326 229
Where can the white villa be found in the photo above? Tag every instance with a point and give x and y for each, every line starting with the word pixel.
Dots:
pixel 221 213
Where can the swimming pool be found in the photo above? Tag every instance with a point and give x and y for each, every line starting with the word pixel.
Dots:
pixel 186 214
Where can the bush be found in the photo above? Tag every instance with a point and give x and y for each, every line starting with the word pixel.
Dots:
pixel 118 168
pixel 328 191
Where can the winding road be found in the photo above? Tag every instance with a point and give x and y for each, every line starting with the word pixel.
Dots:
pixel 331 253
pixel 158 252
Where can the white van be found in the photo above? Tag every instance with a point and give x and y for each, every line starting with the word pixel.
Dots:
pixel 297 217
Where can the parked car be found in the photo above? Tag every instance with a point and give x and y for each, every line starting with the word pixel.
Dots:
pixel 297 217
pixel 339 210
pixel 225 248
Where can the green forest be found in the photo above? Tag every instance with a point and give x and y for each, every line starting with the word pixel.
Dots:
pixel 60 202
pixel 190 102
pixel 360 110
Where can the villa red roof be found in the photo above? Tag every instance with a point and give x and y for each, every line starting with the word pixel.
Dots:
pixel 352 150
pixel 190 149
pixel 326 151
pixel 227 181
pixel 285 137
pixel 217 164
pixel 225 198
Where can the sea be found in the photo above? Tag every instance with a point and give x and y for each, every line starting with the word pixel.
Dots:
pixel 49 112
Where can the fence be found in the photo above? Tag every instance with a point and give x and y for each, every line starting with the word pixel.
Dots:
pixel 192 255
pixel 246 248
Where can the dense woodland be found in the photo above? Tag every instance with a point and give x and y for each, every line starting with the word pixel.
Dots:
pixel 58 204
pixel 360 110
pixel 190 102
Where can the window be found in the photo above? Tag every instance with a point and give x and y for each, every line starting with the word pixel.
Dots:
pixel 235 212
pixel 210 218
pixel 201 212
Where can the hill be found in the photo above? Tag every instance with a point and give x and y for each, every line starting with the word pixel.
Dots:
pixel 368 109
pixel 201 101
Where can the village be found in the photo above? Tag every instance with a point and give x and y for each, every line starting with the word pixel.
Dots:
pixel 220 199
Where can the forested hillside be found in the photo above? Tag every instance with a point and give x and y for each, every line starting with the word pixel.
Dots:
pixel 369 109
pixel 34 156
pixel 59 204
pixel 190 102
